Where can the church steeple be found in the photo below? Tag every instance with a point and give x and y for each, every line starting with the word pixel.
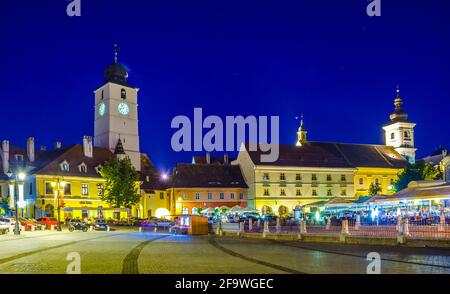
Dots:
pixel 302 132
pixel 399 132
pixel 116 72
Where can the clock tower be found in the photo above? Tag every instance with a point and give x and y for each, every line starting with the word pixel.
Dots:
pixel 116 113
pixel 399 133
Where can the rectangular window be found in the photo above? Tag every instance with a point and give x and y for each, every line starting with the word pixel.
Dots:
pixel 31 189
pixel 161 195
pixel 283 192
pixel 314 192
pixel 241 196
pixel 266 192
pixel 361 181
pixel 298 192
pixel 48 188
pixel 329 192
pixel 282 177
pixel 222 196
pixel 329 178
pixel 298 177
pixel 343 178
pixel 84 189
pixel 314 177
pixel 197 196
pixel 231 195
pixel 68 189
pixel 344 192
pixel 266 177
pixel 209 196
pixel 100 190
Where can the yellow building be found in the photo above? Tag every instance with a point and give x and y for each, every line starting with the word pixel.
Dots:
pixel 308 174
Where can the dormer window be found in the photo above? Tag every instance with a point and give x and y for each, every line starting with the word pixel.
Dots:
pixel 98 168
pixel 123 94
pixel 82 168
pixel 65 167
pixel 19 157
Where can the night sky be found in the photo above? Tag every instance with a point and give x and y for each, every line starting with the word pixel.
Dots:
pixel 324 58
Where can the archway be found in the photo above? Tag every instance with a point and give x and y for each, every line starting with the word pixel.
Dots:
pixel 162 213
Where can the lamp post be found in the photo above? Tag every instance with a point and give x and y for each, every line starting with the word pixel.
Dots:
pixel 59 184
pixel 19 180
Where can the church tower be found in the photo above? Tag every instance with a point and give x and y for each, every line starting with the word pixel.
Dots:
pixel 399 133
pixel 116 113
pixel 301 134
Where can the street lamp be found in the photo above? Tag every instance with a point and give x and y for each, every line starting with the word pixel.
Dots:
pixel 19 202
pixel 59 185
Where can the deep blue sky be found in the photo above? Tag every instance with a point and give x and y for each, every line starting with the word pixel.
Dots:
pixel 326 59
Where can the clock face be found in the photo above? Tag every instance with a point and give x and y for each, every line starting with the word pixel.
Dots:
pixel 102 109
pixel 123 108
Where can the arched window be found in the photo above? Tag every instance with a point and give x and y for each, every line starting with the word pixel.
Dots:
pixel 392 136
pixel 123 94
pixel 185 210
pixel 194 210
pixel 361 181
pixel 406 135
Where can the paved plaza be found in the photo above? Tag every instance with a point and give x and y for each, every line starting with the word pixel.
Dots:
pixel 131 252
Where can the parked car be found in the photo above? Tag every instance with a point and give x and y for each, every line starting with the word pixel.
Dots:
pixel 8 224
pixel 100 225
pixel 48 222
pixel 178 230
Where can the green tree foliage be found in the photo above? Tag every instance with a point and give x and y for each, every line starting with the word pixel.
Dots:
pixel 374 189
pixel 121 178
pixel 417 172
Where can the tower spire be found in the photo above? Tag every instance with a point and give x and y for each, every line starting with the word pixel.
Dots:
pixel 399 114
pixel 301 134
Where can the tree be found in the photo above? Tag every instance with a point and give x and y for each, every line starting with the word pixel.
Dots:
pixel 417 172
pixel 374 189
pixel 121 178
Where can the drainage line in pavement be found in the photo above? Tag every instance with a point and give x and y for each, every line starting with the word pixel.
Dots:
pixel 130 263
pixel 214 243
pixel 355 255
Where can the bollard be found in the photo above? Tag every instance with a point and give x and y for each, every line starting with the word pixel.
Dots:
pixel 328 226
pixel 400 235
pixel 108 228
pixel 140 229
pixel 266 229
pixel 241 229
pixel 399 224
pixel 358 222
pixel 33 228
pixel 278 227
pixel 219 229
pixel 303 227
pixel 344 231
pixel 52 227
pixel 441 227
pixel 406 228
pixel 91 228
pixel 250 224
pixel 155 229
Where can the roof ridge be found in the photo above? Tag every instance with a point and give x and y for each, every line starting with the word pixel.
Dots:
pixel 343 155
pixel 384 157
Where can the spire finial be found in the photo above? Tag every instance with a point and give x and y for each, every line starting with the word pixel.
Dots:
pixel 398 90
pixel 116 53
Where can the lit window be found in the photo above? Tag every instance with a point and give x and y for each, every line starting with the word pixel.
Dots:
pixel 65 166
pixel 48 188
pixel 100 190
pixel 266 177
pixel 194 210
pixel 84 189
pixel 210 196
pixel 185 210
pixel 82 168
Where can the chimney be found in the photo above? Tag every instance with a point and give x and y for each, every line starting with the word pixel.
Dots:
pixel 43 148
pixel 5 155
pixel 87 146
pixel 30 149
pixel 226 159
pixel 208 158
pixel 58 145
